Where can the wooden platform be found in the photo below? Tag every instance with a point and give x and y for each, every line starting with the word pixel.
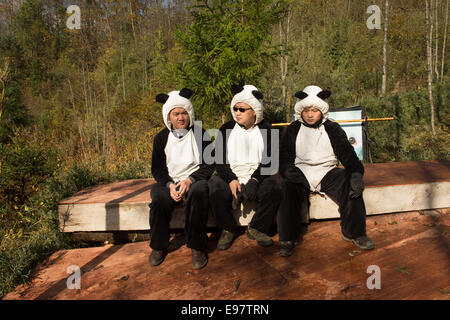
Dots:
pixel 390 187
pixel 412 251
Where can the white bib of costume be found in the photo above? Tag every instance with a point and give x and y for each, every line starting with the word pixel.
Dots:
pixel 182 156
pixel 314 154
pixel 245 149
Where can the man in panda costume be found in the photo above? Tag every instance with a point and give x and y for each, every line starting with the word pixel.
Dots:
pixel 243 172
pixel 180 172
pixel 311 148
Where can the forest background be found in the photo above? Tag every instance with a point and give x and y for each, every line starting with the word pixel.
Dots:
pixel 77 105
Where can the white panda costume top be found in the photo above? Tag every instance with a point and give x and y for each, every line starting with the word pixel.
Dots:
pixel 314 154
pixel 316 149
pixel 245 150
pixel 177 154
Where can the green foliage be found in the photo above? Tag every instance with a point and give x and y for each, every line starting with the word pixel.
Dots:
pixel 35 77
pixel 23 169
pixel 31 25
pixel 10 49
pixel 15 114
pixel 21 251
pixel 30 232
pixel 409 136
pixel 28 225
pixel 274 114
pixel 224 46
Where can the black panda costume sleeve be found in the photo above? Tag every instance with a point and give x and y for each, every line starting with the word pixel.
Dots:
pixel 159 167
pixel 287 148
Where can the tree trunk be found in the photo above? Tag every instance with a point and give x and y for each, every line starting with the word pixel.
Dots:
pixel 384 76
pixel 436 39
pixel 284 42
pixel 80 131
pixel 130 4
pixel 145 72
pixel 282 71
pixel 283 59
pixel 123 71
pixel 108 26
pixel 429 33
pixel 242 12
pixel 4 77
pixel 121 55
pixel 86 101
pixel 444 42
pixel 105 105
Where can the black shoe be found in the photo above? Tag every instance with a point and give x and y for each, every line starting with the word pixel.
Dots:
pixel 286 248
pixel 226 239
pixel 261 238
pixel 199 259
pixel 363 242
pixel 157 257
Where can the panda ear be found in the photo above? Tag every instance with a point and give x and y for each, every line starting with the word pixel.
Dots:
pixel 257 94
pixel 162 97
pixel 301 95
pixel 324 94
pixel 236 88
pixel 186 93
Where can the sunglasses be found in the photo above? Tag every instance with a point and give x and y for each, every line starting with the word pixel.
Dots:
pixel 240 109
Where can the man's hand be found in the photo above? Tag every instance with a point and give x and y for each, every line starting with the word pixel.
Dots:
pixel 174 193
pixel 235 187
pixel 184 186
pixel 356 185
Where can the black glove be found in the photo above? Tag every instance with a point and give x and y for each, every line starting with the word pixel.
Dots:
pixel 236 204
pixel 356 185
pixel 294 175
pixel 251 189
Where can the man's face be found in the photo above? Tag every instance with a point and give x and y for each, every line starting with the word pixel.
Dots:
pixel 311 115
pixel 179 118
pixel 244 114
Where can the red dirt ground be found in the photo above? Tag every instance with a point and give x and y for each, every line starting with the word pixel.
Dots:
pixel 412 252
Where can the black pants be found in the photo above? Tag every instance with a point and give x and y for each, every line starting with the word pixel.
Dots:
pixel 336 184
pixel 196 212
pixel 269 199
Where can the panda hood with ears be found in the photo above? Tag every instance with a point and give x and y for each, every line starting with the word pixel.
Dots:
pixel 174 100
pixel 312 96
pixel 250 95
